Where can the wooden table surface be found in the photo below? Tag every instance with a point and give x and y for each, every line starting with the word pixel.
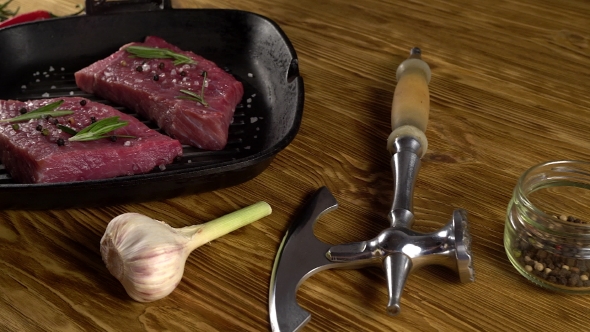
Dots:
pixel 510 89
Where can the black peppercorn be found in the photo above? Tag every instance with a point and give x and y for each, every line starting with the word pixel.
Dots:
pixel 83 102
pixel 23 110
pixel 573 280
pixel 39 128
pixel 92 119
pixel 183 73
pixel 161 65
pixel 156 77
pixel 113 138
pixel 139 68
pixel 60 142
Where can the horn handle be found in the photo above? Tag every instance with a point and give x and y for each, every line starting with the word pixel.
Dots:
pixel 411 100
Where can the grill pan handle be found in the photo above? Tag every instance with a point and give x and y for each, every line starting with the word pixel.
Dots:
pixel 121 6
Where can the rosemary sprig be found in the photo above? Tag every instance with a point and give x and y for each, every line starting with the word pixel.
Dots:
pixel 5 13
pixel 97 130
pixel 193 96
pixel 47 110
pixel 159 53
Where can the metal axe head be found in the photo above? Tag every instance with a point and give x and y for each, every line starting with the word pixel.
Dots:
pixel 300 255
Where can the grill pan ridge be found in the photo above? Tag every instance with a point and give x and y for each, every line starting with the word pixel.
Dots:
pixel 38 60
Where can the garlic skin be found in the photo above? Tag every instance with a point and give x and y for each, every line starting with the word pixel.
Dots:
pixel 147 256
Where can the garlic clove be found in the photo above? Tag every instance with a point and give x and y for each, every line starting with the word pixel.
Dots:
pixel 147 256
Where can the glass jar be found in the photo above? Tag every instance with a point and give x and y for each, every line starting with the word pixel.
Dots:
pixel 547 231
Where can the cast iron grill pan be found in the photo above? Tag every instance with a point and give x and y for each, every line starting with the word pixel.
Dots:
pixel 38 60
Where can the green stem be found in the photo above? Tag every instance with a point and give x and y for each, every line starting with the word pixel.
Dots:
pixel 217 228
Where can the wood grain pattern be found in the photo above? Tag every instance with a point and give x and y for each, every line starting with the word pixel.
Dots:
pixel 509 90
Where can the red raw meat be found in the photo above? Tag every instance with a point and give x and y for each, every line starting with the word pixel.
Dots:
pixel 31 157
pixel 130 81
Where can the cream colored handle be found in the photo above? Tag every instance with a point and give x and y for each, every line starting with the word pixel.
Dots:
pixel 411 101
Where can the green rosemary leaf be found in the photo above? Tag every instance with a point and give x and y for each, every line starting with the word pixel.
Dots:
pixel 193 96
pixel 159 53
pixel 203 89
pixel 5 13
pixel 67 129
pixel 47 110
pixel 100 129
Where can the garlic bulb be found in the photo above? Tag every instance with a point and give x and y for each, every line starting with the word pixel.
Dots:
pixel 148 256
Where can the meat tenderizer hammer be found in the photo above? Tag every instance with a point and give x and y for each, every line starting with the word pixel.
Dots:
pixel 398 249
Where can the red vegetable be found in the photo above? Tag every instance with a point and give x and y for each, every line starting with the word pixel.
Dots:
pixel 26 17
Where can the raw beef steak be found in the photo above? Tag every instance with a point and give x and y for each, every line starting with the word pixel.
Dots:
pixel 152 87
pixel 37 151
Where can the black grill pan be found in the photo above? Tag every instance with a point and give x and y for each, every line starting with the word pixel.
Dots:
pixel 38 60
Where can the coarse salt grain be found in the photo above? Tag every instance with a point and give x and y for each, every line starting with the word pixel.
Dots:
pixel 253 119
pixel 250 75
pixel 247 147
pixel 249 100
pixel 62 69
pixel 249 106
pixel 45 95
pixel 37 80
pixel 51 68
pixel 127 143
pixel 189 161
pixel 253 95
pixel 173 72
pixel 162 167
pixel 23 87
pixel 53 86
pixel 71 93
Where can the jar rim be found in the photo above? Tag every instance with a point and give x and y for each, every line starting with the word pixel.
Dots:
pixel 546 220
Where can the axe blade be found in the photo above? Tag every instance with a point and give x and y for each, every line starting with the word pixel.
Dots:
pixel 300 255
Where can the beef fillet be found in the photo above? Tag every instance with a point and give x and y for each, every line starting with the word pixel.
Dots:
pixel 151 87
pixel 31 152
